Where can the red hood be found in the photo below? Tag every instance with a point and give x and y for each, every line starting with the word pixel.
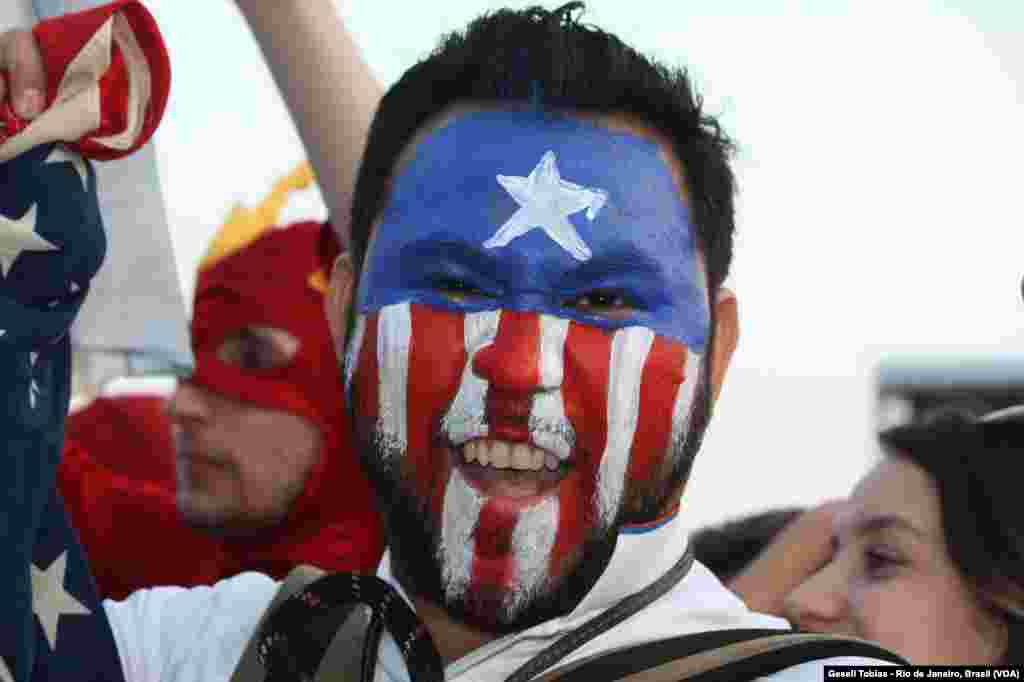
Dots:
pixel 271 282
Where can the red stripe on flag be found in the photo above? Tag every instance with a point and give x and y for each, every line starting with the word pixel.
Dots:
pixel 585 394
pixel 437 357
pixel 660 380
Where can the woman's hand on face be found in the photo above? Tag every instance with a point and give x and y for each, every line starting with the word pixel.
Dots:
pixel 799 551
pixel 24 75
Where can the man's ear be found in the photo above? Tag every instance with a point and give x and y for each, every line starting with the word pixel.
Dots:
pixel 727 335
pixel 338 299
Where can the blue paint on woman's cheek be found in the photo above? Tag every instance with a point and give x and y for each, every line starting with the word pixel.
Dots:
pixel 448 196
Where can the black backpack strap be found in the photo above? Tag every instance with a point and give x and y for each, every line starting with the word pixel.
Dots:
pixel 249 668
pixel 717 656
pixel 331 629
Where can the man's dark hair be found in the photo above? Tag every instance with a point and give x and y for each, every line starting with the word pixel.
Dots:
pixel 728 548
pixel 974 467
pixel 549 59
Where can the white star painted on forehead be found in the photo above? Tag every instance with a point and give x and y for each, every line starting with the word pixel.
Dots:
pixel 50 600
pixel 546 201
pixel 61 154
pixel 17 236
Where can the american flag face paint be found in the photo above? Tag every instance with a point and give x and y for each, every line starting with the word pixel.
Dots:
pixel 522 383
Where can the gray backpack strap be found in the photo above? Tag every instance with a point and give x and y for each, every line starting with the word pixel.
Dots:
pixel 718 656
pixel 249 668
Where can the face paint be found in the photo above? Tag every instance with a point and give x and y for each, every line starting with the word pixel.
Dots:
pixel 451 218
pixel 509 428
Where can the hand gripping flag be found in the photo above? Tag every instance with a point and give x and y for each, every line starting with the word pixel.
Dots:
pixel 108 77
pixel 51 246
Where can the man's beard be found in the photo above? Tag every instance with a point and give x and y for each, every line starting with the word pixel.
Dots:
pixel 418 562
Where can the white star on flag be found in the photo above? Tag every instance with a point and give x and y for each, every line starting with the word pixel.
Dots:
pixel 546 201
pixel 17 236
pixel 5 672
pixel 50 600
pixel 62 154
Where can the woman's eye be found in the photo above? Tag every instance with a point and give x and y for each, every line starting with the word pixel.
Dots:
pixel 612 304
pixel 879 565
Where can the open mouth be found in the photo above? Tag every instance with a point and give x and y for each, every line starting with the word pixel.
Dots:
pixel 500 468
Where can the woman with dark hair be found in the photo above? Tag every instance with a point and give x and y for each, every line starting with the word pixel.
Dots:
pixel 928 552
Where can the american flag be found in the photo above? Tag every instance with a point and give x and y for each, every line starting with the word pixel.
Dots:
pixel 52 243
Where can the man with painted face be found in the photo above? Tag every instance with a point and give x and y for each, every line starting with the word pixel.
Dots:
pixel 540 231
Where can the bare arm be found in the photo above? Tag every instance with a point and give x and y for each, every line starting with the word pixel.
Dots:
pixel 799 550
pixel 330 90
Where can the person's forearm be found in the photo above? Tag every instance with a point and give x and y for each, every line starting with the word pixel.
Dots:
pixel 329 88
pixel 799 550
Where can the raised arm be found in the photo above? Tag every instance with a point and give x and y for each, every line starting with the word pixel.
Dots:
pixel 330 90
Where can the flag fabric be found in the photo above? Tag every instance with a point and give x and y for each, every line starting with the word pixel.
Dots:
pixel 52 243
pixel 108 79
pixel 136 308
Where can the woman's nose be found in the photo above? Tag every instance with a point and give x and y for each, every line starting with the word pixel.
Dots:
pixel 819 603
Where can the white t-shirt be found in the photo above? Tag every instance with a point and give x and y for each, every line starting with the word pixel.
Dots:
pixel 198 635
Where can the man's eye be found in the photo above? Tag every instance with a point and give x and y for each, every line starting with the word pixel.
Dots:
pixel 612 304
pixel 252 349
pixel 459 290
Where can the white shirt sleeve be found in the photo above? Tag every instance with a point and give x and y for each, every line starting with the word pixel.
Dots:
pixel 173 634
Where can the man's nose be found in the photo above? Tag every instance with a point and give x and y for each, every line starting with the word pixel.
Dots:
pixel 527 354
pixel 819 604
pixel 189 403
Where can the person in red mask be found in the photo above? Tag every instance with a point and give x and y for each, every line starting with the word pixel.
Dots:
pixel 266 477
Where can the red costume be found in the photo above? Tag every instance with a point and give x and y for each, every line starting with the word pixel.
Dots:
pixel 132 533
pixel 130 433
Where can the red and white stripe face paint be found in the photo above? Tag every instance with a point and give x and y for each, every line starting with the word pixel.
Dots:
pixel 521 437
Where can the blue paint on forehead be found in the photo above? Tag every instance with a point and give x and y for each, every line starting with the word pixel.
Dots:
pixel 448 211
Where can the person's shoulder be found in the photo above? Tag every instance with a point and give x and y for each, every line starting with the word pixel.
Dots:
pixel 176 633
pixel 249 588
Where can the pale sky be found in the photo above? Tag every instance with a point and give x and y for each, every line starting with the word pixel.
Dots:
pixel 879 208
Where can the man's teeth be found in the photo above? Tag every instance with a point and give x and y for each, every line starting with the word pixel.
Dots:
pixel 502 455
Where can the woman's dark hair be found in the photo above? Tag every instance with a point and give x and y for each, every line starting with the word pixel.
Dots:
pixel 974 467
pixel 548 59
